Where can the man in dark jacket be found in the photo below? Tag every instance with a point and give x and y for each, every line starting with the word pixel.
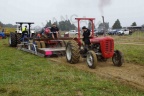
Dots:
pixel 86 35
pixel 54 29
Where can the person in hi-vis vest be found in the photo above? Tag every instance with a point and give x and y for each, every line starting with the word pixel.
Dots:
pixel 24 31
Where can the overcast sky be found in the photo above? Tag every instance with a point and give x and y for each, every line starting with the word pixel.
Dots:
pixel 40 11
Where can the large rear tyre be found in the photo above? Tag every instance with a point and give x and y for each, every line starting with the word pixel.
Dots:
pixel 91 59
pixel 12 40
pixel 118 58
pixel 72 52
pixel 19 36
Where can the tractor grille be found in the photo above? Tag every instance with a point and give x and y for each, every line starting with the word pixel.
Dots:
pixel 108 46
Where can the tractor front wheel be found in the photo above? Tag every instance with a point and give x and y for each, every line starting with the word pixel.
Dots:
pixel 72 52
pixel 118 58
pixel 91 59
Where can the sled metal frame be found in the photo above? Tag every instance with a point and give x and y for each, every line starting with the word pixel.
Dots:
pixel 42 52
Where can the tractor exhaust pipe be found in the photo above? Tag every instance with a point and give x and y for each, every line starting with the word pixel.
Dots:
pixel 104 26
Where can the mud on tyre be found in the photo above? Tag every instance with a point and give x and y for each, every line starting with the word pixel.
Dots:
pixel 72 52
pixel 19 36
pixel 91 59
pixel 118 58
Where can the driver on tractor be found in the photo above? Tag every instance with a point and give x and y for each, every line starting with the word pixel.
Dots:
pixel 24 33
pixel 86 36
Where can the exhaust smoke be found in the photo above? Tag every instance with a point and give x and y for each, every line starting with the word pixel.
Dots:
pixel 102 4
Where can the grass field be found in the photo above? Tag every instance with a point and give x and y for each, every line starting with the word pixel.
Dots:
pixel 23 74
pixel 132 53
pixel 134 38
pixel 133 49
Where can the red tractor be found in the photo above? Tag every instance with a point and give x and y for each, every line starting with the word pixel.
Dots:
pixel 101 49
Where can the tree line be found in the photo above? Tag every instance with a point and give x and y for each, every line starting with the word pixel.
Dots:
pixel 63 25
pixel 7 25
pixel 117 24
pixel 67 25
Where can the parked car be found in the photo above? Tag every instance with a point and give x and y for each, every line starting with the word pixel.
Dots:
pixel 114 32
pixel 95 32
pixel 100 32
pixel 72 32
pixel 124 32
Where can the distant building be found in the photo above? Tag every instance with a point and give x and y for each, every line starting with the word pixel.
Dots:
pixel 134 28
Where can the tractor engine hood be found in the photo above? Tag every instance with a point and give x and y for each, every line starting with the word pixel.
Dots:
pixel 106 45
pixel 100 39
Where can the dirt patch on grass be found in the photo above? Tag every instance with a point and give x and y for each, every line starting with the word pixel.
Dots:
pixel 130 74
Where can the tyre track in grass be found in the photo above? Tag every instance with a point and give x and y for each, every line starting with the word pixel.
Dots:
pixel 129 74
pixel 138 44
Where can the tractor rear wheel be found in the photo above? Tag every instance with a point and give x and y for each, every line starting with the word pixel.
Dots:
pixel 19 36
pixel 12 40
pixel 72 52
pixel 118 58
pixel 91 59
